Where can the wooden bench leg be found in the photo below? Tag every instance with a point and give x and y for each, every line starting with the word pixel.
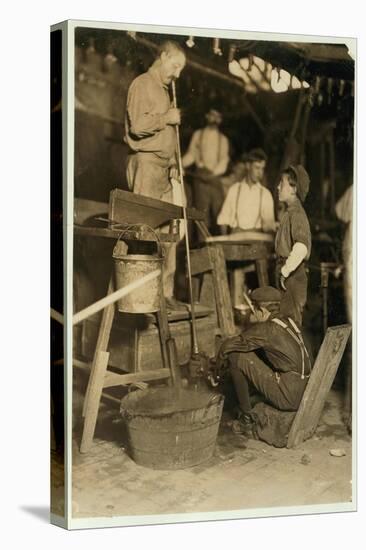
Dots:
pixel 262 272
pixel 97 373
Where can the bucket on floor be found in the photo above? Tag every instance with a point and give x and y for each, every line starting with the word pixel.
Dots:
pixel 131 267
pixel 169 430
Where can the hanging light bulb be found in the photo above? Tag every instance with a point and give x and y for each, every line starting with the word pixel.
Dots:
pixel 232 51
pixel 216 46
pixel 329 89
pixel 132 34
pixel 341 87
pixel 91 46
pixel 317 85
pixel 190 42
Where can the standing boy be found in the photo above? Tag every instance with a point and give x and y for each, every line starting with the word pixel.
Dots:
pixel 293 240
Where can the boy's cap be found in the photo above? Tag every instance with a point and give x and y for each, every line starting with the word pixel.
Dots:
pixel 303 180
pixel 266 294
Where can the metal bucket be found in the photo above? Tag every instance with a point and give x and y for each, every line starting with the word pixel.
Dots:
pixel 131 267
pixel 175 436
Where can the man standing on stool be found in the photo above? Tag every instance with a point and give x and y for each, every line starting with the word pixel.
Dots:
pixel 150 134
pixel 293 240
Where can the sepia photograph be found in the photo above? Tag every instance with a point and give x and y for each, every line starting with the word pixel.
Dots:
pixel 206 204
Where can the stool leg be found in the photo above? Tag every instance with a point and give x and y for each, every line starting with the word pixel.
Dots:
pixel 94 394
pixel 97 373
pixel 164 333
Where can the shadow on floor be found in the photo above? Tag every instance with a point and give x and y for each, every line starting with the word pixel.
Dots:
pixel 40 512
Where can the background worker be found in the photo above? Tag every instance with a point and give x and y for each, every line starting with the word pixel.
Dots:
pixel 208 150
pixel 248 206
pixel 293 240
pixel 271 354
pixel 151 137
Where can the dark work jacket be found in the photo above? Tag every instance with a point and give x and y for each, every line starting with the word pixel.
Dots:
pixel 279 347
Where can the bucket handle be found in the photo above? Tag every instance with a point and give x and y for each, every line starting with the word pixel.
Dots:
pixel 139 225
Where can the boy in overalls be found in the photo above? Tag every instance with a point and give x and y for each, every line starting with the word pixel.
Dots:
pixel 293 240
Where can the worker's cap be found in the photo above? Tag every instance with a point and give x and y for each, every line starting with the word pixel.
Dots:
pixel 266 294
pixel 214 113
pixel 255 155
pixel 302 180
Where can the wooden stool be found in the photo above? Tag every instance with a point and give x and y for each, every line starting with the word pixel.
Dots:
pixel 100 378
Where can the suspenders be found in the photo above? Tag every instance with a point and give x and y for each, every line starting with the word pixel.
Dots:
pixel 297 336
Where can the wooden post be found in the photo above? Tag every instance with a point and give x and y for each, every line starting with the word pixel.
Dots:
pixel 222 292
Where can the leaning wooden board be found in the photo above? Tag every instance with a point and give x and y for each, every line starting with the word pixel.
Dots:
pixel 320 382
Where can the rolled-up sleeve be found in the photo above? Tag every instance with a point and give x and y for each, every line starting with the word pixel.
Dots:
pixel 226 215
pixel 143 121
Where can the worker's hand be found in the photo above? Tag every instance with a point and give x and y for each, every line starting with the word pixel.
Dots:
pixel 282 282
pixel 173 116
pixel 174 173
pixel 260 315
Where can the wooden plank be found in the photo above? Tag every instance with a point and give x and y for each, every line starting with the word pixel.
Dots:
pixel 114 379
pixel 200 260
pixel 127 207
pixel 222 293
pixel 320 382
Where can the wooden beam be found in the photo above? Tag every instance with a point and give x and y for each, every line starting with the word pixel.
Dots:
pixel 114 379
pixel 113 233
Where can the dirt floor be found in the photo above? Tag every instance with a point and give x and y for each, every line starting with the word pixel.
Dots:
pixel 107 482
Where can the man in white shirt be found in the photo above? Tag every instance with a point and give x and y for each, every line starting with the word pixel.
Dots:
pixel 248 205
pixel 209 152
